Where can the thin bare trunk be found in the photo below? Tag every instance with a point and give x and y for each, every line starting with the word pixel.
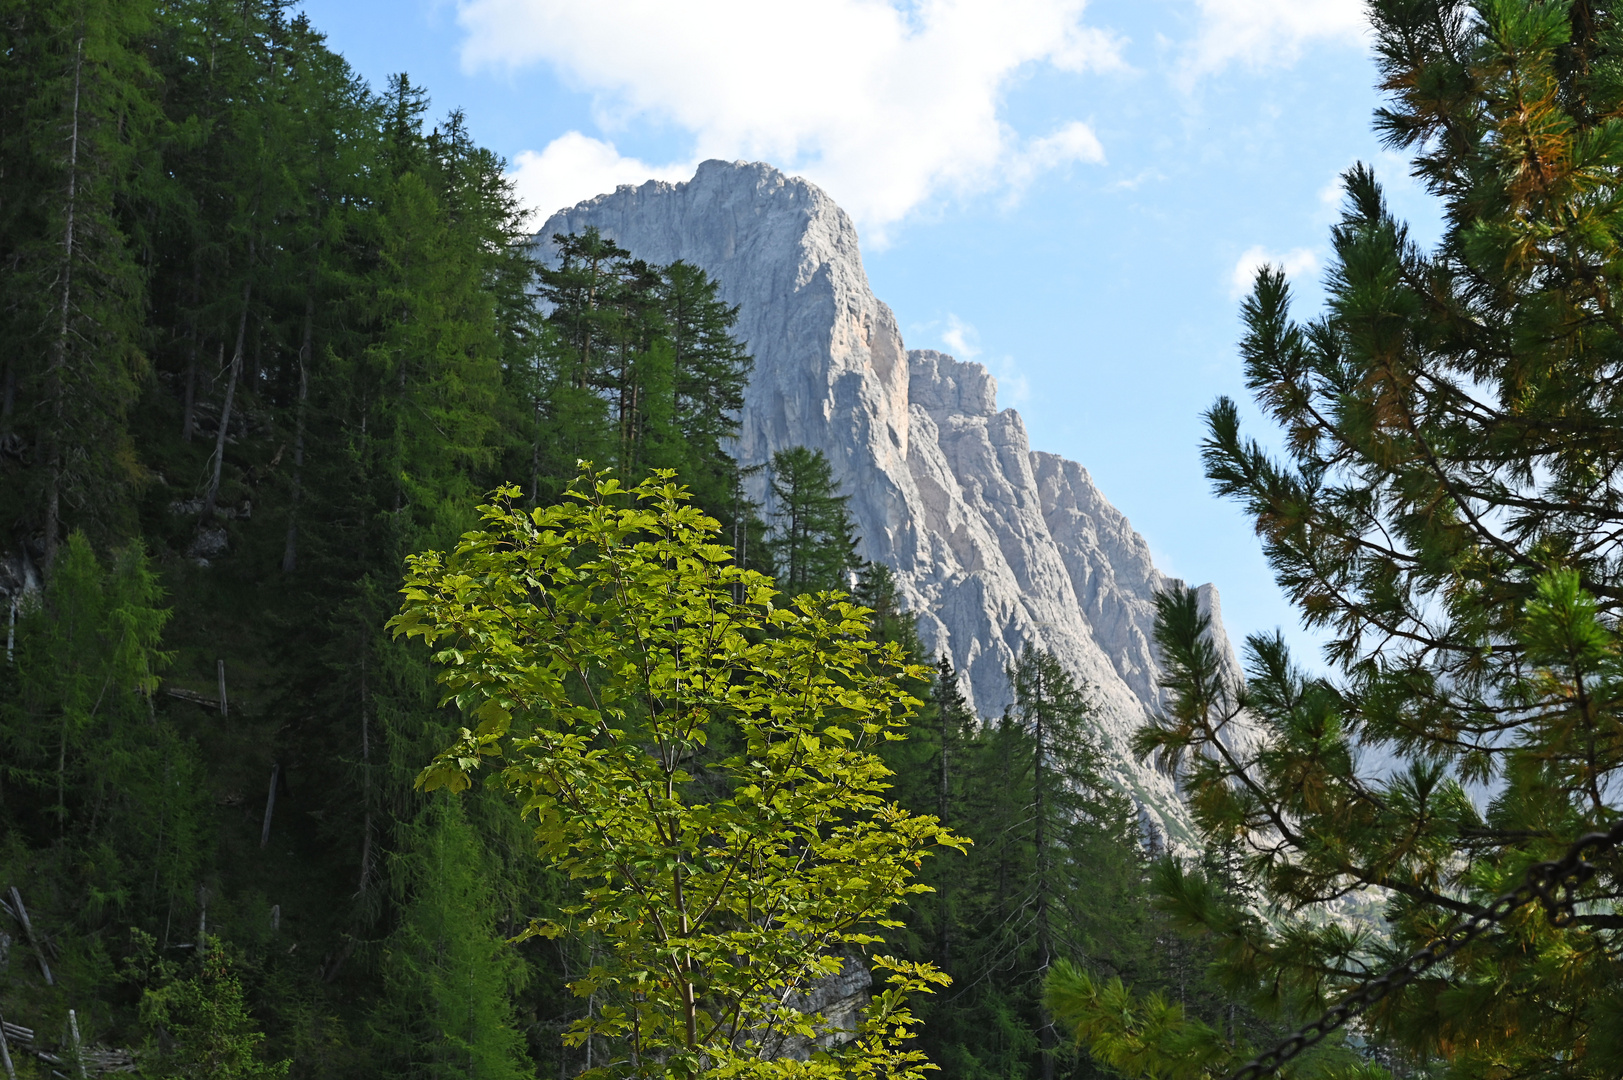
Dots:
pixel 684 971
pixel 54 379
pixel 5 1053
pixel 366 790
pixel 1044 939
pixel 21 912
pixel 202 920
pixel 78 1045
pixel 290 553
pixel 230 393
pixel 270 805
pixel 944 906
pixel 188 416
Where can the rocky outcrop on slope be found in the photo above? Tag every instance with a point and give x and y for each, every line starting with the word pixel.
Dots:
pixel 994 545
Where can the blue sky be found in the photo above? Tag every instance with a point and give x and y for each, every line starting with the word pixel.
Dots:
pixel 1071 193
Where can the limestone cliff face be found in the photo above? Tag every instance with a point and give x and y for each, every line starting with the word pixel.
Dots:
pixel 993 545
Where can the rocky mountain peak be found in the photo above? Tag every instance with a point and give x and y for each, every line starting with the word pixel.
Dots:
pixel 993 545
pixel 946 386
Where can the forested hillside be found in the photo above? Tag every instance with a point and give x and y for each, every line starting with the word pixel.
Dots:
pixel 268 331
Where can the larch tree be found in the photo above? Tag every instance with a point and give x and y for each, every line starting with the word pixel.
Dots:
pixel 813 541
pixel 710 369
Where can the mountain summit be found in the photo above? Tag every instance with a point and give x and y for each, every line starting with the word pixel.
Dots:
pixel 993 545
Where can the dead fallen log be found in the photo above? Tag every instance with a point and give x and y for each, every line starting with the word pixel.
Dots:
pixel 21 913
pixel 191 695
pixel 104 1060
pixel 97 1059
pixel 5 1051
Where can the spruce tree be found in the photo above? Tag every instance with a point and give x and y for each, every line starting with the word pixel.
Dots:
pixel 208 1031
pixel 1054 876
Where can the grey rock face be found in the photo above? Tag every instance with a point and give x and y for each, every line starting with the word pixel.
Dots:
pixel 994 545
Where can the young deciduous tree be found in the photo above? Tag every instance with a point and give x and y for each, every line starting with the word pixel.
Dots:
pixel 703 766
pixel 1447 509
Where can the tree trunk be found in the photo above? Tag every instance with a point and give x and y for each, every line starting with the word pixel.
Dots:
pixel 202 920
pixel 270 805
pixel 290 553
pixel 188 416
pixel 1045 951
pixel 5 1053
pixel 230 393
pixel 944 904
pixel 78 1045
pixel 55 372
pixel 33 939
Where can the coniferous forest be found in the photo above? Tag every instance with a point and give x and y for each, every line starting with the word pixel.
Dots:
pixel 270 330
pixel 272 337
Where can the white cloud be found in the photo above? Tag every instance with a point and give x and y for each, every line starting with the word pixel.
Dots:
pixel 1295 262
pixel 1075 142
pixel 961 338
pixel 1264 33
pixel 1394 170
pixel 1013 388
pixel 886 104
pixel 575 167
pixel 963 341
pixel 1330 194
pixel 1138 179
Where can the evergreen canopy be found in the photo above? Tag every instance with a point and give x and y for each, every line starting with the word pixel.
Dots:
pixel 813 541
pixel 1447 508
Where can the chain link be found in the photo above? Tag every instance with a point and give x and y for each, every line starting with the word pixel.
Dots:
pixel 1552 884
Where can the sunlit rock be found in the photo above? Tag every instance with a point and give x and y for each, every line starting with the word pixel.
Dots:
pixel 994 545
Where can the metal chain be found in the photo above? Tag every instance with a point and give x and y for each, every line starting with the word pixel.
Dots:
pixel 1552 884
